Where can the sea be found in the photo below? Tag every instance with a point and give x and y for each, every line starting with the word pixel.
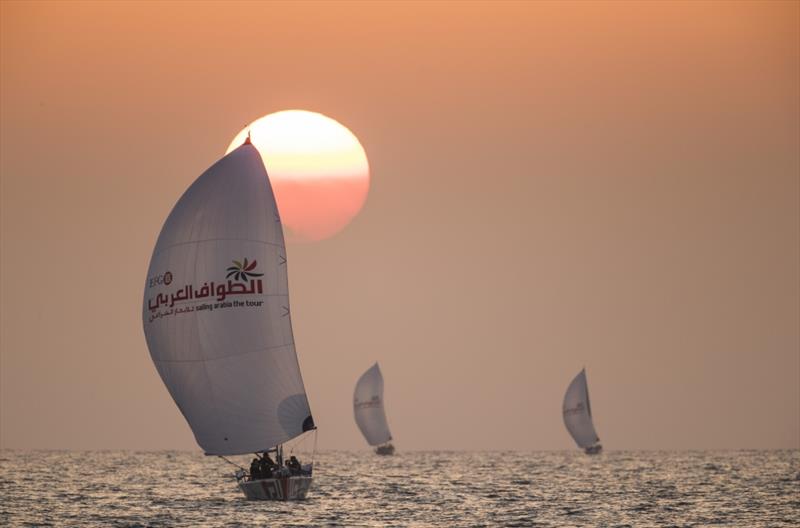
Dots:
pixel 436 488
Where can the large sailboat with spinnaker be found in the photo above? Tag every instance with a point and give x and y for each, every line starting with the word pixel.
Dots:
pixel 217 323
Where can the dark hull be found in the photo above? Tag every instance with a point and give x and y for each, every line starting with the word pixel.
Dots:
pixel 385 450
pixel 594 450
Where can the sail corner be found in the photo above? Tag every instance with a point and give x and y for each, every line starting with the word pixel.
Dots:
pixel 308 424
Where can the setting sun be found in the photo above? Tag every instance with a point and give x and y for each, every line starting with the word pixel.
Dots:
pixel 317 167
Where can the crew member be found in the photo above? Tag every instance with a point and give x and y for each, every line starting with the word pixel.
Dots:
pixel 294 465
pixel 267 466
pixel 255 469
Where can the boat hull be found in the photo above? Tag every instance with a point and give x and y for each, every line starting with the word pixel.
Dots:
pixel 385 450
pixel 279 489
pixel 594 450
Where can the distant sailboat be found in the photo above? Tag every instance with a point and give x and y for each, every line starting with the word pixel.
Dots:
pixel 369 412
pixel 216 319
pixel 578 415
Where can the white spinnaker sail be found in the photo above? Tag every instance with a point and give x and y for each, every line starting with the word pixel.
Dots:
pixel 368 407
pixel 578 412
pixel 216 312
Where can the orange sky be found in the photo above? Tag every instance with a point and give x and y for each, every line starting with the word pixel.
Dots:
pixel 553 185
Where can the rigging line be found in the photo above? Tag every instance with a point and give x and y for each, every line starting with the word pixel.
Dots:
pixel 297 445
pixel 314 452
pixel 231 463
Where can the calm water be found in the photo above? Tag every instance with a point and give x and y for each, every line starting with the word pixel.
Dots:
pixel 744 488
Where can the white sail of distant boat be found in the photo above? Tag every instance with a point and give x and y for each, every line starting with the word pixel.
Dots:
pixel 578 415
pixel 217 323
pixel 369 412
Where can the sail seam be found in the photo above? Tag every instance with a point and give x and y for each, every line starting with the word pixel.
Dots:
pixel 223 357
pixel 218 240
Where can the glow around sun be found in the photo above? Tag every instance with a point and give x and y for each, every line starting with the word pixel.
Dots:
pixel 318 170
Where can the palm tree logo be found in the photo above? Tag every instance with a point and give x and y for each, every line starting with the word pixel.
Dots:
pixel 243 271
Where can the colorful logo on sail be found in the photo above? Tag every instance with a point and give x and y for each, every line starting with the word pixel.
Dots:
pixel 242 270
pixel 209 295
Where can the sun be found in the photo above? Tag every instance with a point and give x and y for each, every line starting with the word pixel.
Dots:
pixel 318 170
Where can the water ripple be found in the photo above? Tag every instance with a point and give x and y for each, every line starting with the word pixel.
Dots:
pixel 166 489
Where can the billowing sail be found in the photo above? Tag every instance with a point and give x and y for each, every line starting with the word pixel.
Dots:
pixel 368 407
pixel 216 312
pixel 578 412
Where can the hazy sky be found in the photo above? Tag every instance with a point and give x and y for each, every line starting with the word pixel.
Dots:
pixel 554 186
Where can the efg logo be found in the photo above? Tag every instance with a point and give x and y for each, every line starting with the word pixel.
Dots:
pixel 164 278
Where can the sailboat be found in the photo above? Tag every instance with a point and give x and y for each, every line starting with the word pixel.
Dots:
pixel 369 412
pixel 578 415
pixel 217 323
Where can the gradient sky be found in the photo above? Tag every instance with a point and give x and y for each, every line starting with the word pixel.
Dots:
pixel 553 186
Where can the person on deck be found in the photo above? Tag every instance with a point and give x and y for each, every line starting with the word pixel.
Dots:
pixel 267 465
pixel 294 465
pixel 255 469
